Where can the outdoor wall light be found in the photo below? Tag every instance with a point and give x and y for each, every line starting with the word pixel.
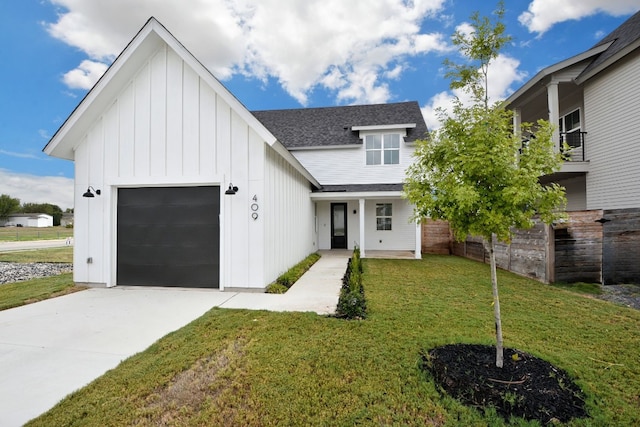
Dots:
pixel 88 193
pixel 231 190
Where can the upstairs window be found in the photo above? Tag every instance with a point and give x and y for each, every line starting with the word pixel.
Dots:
pixel 383 149
pixel 383 216
pixel 569 126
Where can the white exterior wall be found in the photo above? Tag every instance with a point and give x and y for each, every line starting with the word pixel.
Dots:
pixel 402 236
pixel 288 214
pixel 338 166
pixel 611 103
pixel 168 127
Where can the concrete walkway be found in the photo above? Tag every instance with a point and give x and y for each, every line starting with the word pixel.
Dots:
pixel 52 348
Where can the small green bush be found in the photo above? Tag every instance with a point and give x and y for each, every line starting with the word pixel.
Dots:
pixel 276 288
pixel 291 276
pixel 352 303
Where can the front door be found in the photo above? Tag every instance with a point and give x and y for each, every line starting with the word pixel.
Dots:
pixel 338 226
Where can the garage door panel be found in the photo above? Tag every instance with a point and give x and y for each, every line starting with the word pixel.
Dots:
pixel 169 236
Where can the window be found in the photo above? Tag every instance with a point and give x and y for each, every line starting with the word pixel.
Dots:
pixel 570 122
pixel 569 126
pixel 383 149
pixel 383 216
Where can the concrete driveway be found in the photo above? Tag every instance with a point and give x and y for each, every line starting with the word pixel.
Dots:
pixel 52 348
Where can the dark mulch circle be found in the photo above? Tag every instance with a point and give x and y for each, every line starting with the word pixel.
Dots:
pixel 525 386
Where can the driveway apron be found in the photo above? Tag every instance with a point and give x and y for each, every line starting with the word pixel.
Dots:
pixel 54 347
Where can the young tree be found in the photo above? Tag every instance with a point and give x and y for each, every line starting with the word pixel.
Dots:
pixel 475 172
pixel 8 205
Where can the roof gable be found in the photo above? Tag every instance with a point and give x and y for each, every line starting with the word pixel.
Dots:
pixel 147 41
pixel 339 126
pixel 621 41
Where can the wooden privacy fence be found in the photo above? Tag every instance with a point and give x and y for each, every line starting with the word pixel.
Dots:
pixel 596 246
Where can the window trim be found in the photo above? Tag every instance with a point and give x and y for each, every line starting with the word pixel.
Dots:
pixel 382 150
pixel 384 217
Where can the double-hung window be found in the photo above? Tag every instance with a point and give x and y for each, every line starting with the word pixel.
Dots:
pixel 570 128
pixel 383 149
pixel 383 216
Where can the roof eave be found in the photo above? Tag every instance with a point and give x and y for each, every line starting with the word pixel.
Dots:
pixel 613 59
pixel 553 69
pixel 65 140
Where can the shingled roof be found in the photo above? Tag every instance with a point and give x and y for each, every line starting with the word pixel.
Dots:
pixel 332 126
pixel 622 37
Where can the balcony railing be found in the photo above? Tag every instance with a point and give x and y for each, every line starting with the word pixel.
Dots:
pixel 572 146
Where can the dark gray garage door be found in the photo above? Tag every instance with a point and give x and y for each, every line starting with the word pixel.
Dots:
pixel 169 237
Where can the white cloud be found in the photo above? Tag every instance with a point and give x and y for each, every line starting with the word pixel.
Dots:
pixel 28 188
pixel 503 73
pixel 543 14
pixel 343 46
pixel 18 155
pixel 85 76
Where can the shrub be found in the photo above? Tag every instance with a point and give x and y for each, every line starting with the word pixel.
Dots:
pixel 276 288
pixel 352 303
pixel 291 276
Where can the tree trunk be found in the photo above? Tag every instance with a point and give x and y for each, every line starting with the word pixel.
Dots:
pixel 496 302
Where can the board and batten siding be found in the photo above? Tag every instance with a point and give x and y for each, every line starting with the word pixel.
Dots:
pixel 169 127
pixel 348 166
pixel 289 224
pixel 611 104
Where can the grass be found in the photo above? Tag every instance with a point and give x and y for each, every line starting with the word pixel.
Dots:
pixel 13 234
pixel 40 255
pixel 258 368
pixel 30 291
pixel 291 276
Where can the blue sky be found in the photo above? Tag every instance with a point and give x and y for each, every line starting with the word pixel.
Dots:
pixel 271 54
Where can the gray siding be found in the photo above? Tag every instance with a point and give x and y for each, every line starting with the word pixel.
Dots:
pixel 613 139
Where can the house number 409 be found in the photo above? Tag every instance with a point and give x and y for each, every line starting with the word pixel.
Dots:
pixel 254 207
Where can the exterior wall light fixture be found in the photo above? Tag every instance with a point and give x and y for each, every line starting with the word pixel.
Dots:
pixel 88 193
pixel 231 190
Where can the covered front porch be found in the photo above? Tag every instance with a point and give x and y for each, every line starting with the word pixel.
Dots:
pixel 374 218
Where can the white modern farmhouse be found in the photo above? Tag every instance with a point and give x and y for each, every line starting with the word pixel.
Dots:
pixel 178 184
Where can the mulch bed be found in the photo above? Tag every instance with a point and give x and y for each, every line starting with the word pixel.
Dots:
pixel 525 386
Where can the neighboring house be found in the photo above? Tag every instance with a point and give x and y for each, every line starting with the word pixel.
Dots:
pixel 178 184
pixel 29 220
pixel 67 219
pixel 594 98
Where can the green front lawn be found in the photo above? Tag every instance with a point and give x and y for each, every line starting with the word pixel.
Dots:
pixel 257 368
pixel 39 255
pixel 30 291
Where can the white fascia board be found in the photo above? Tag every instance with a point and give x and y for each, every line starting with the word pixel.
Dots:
pixel 280 149
pixel 346 195
pixel 383 127
pixel 64 141
pixel 326 147
pixel 615 58
pixel 122 70
pixel 554 68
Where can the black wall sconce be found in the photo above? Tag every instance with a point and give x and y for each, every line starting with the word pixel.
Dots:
pixel 88 193
pixel 231 190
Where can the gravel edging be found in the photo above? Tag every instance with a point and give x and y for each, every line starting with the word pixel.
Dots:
pixel 11 272
pixel 627 295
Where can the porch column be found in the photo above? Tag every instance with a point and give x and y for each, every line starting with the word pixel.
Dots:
pixel 418 251
pixel 554 112
pixel 517 120
pixel 362 253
